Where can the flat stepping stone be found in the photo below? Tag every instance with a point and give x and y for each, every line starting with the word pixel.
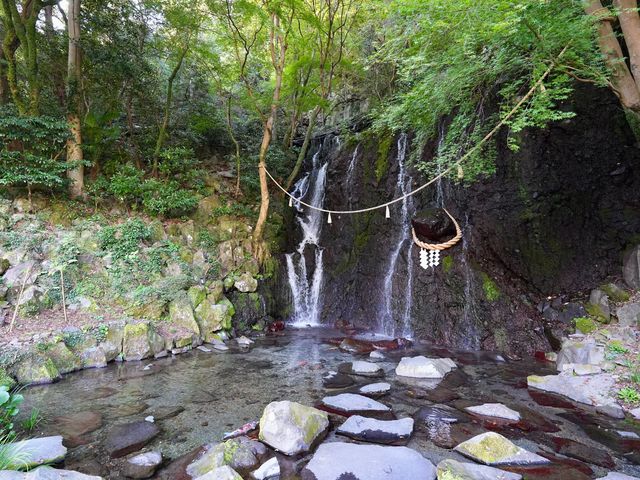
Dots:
pixel 366 369
pixel 38 451
pixel 352 403
pixel 496 410
pixel 348 461
pixel 130 437
pixel 471 471
pixel 143 465
pixel 375 389
pixel 337 380
pixel 592 390
pixel 493 449
pixel 46 473
pixel 423 367
pixel 268 470
pixel 78 424
pixel 377 355
pixel 386 432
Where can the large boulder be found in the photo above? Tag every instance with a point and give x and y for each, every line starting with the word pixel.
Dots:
pixel 579 352
pixel 292 428
pixel 493 449
pixel 245 283
pixel 452 469
pixel 631 267
pixel 213 317
pixel 433 225
pixel 241 454
pixel 38 451
pixel 196 294
pixel 35 368
pixel 63 358
pixel 422 367
pixel 221 473
pixel 181 313
pixel 111 345
pixel 629 315
pixel 141 341
pixel 16 275
pixel 342 461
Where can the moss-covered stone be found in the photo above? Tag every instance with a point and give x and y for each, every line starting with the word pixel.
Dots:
pixel 615 293
pixel 141 341
pixel 491 449
pixel 585 325
pixel 597 312
pixel 6 380
pixel 35 368
pixel 197 294
pixel 63 358
pixel 181 313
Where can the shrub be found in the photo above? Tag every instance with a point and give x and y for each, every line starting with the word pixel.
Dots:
pixel 126 184
pixel 629 395
pixel 125 239
pixel 168 199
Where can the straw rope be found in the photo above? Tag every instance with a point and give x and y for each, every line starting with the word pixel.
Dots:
pixel 439 246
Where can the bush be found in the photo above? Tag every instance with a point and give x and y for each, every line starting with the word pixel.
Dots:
pixel 126 184
pixel 168 199
pixel 125 239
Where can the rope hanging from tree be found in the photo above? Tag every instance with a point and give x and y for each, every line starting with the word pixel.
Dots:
pixel 430 252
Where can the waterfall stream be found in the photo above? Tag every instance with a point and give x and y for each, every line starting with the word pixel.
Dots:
pixel 306 286
pixel 389 324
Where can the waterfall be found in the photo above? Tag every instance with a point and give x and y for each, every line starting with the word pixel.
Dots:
pixel 387 323
pixel 306 289
pixel 470 340
pixel 351 168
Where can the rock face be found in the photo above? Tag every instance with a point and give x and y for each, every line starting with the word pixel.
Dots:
pixel 342 461
pixel 471 471
pixel 39 451
pixel 422 367
pixel 387 432
pixel 579 352
pixel 496 410
pixel 493 449
pixel 534 223
pixel 292 428
pixel 592 390
pixel 352 403
pixel 45 473
pixel 143 465
pixel 631 267
pixel 433 225
pixel 130 437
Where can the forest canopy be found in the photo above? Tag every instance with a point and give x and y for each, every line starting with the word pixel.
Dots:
pixel 131 100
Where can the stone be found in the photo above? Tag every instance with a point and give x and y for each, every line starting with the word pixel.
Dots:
pixel 45 473
pixel 599 305
pixel 221 473
pixel 433 225
pixel 238 453
pixel 181 313
pixel 375 389
pixel 196 295
pixel 631 267
pixel 387 432
pixel 595 390
pixel 4 265
pixel 15 276
pixel 6 380
pixel 215 290
pixel 363 368
pixel 292 428
pixel 615 292
pixel 496 410
pixel 212 317
pixel 38 451
pixel 348 461
pixel 268 470
pixel 141 341
pixel 245 283
pixel 352 403
pixel 629 315
pixel 493 449
pixel 435 414
pixel 452 469
pixel 206 207
pixel 75 425
pixel 376 355
pixel 336 380
pixel 63 358
pixel 618 476
pixel 34 369
pixel 93 357
pixel 422 367
pixel 143 465
pixel 130 437
pixel 635 413
pixel 112 343
pixel 581 369
pixel 244 341
pixel 579 351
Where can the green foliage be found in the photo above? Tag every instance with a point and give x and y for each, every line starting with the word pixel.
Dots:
pixel 617 348
pixel 30 148
pixel 125 239
pixel 101 332
pixel 585 325
pixel 168 199
pixel 9 407
pixel 126 184
pixel 34 419
pixel 629 395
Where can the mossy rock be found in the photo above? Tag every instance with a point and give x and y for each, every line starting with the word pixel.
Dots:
pixel 141 341
pixel 598 313
pixel 490 288
pixel 63 358
pixel 35 368
pixel 152 310
pixel 181 313
pixel 615 293
pixel 215 290
pixel 585 325
pixel 197 294
pixel 6 380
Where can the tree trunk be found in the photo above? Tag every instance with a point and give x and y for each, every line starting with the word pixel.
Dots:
pixel 630 24
pixel 74 143
pixel 58 75
pixel 623 82
pixel 305 147
pixel 5 94
pixel 162 133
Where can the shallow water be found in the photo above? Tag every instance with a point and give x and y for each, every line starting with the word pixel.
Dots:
pixel 221 391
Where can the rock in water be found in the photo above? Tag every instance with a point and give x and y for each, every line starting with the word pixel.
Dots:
pixel 292 428
pixel 130 437
pixel 433 225
pixel 579 352
pixel 143 465
pixel 493 449
pixel 270 469
pixel 38 451
pixel 496 410
pixel 238 454
pixel 387 432
pixel 221 473
pixel 592 390
pixel 366 369
pixel 352 403
pixel 348 461
pixel 45 473
pixel 336 380
pixel 422 367
pixel 375 389
pixel 471 471
pixel 618 476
